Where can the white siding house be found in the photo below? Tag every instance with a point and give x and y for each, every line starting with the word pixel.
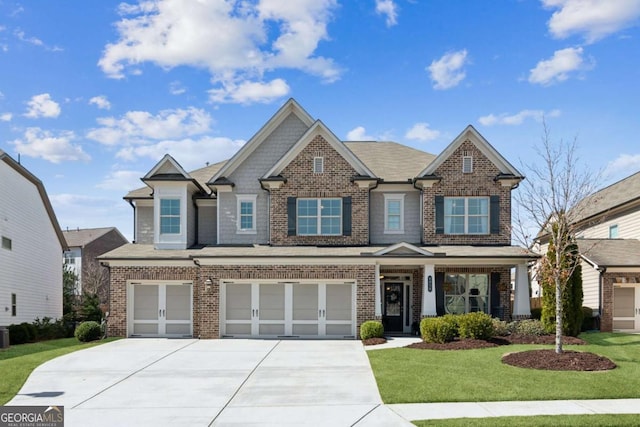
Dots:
pixel 32 246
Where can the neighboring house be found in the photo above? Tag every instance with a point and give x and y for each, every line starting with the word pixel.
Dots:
pixel 609 242
pixel 32 244
pixel 85 245
pixel 300 234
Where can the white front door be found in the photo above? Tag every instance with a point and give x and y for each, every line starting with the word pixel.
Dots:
pixel 288 309
pixel 160 309
pixel 626 306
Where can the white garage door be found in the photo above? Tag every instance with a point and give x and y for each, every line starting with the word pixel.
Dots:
pixel 160 309
pixel 325 309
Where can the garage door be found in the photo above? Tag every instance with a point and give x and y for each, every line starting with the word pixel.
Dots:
pixel 160 309
pixel 305 310
pixel 626 307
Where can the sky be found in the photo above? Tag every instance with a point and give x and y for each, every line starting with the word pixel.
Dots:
pixel 94 93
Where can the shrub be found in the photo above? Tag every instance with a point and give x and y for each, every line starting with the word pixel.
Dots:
pixel 475 325
pixel 371 329
pixel 90 309
pixel 500 327
pixel 588 321
pixel 18 334
pixel 536 313
pixel 88 331
pixel 454 321
pixel 437 329
pixel 528 327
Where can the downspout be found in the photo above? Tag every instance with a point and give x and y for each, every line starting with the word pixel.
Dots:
pixel 135 213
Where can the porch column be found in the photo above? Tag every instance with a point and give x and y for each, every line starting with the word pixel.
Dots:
pixel 521 303
pixel 378 298
pixel 428 292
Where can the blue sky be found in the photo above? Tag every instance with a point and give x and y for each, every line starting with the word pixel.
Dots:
pixel 92 94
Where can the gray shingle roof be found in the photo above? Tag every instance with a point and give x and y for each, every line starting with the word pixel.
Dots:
pixel 611 252
pixel 82 236
pixel 616 194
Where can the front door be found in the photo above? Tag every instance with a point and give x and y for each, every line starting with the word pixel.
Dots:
pixel 393 307
pixel 626 307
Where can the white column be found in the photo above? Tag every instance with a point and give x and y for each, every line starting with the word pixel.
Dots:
pixel 429 292
pixel 521 303
pixel 378 298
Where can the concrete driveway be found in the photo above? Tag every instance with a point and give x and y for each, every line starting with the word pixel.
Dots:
pixel 154 382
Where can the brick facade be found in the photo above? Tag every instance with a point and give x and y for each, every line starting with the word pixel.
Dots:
pixel 479 183
pixel 335 181
pixel 608 280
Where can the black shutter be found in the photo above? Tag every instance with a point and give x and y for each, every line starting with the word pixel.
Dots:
pixel 291 216
pixel 439 214
pixel 346 216
pixel 496 309
pixel 440 294
pixel 494 212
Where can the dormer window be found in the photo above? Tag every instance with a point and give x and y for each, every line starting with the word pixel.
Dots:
pixel 318 165
pixel 467 163
pixel 170 216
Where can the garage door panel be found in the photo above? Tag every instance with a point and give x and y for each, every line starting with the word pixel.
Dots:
pixel 304 329
pixel 339 330
pixel 238 329
pixel 178 303
pixel 305 302
pixel 238 302
pixel 145 302
pixel 178 329
pixel 271 302
pixel 269 329
pixel 339 302
pixel 145 328
pixel 160 309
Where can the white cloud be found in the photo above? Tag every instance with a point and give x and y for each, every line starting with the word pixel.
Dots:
pixel 593 19
pixel 42 106
pixel 101 102
pixel 6 117
pixel 176 88
pixel 46 145
pixel 247 92
pixel 559 66
pixel 188 152
pixel 447 71
pixel 518 118
pixel 387 8
pixel 137 127
pixel 359 134
pixel 21 35
pixel 237 42
pixel 121 180
pixel 421 132
pixel 623 165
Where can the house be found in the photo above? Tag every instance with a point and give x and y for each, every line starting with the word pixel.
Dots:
pixel 85 245
pixel 300 234
pixel 609 242
pixel 32 244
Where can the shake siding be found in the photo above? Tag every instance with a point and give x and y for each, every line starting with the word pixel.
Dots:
pixel 412 212
pixel 628 226
pixel 207 225
pixel 144 224
pixel 32 269
pixel 590 286
pixel 246 177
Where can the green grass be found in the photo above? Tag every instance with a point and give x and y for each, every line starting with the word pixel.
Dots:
pixel 539 421
pixel 18 361
pixel 407 375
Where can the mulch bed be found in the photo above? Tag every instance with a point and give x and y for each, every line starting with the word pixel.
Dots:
pixel 374 341
pixel 533 359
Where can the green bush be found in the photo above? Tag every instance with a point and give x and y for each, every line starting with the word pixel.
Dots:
pixel 371 329
pixel 500 327
pixel 536 313
pixel 527 327
pixel 588 321
pixel 454 321
pixel 18 334
pixel 88 331
pixel 476 325
pixel 437 329
pixel 90 309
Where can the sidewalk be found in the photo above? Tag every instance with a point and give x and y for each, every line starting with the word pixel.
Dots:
pixel 438 411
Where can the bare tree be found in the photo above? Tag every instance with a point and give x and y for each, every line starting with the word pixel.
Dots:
pixel 549 205
pixel 95 280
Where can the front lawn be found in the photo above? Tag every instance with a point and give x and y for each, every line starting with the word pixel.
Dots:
pixel 18 361
pixel 601 420
pixel 406 375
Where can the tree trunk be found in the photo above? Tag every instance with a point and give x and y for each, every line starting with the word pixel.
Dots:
pixel 558 316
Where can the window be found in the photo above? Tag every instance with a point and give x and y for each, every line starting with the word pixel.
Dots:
pixel 467 164
pixel 69 258
pixel 466 215
pixel 319 217
pixel 464 293
pixel 247 213
pixel 613 231
pixel 318 164
pixel 14 305
pixel 169 216
pixel 393 213
pixel 6 243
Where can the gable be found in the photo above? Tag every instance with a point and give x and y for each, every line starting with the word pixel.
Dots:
pixel 167 167
pixel 471 137
pixel 403 248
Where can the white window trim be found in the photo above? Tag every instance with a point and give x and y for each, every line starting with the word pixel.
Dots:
pixel 318 161
pixel 466 215
pixel 393 198
pixel 170 241
pixel 470 160
pixel 240 198
pixel 319 216
pixel 171 216
pixel 614 227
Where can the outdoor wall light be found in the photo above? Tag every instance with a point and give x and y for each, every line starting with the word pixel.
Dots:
pixel 208 283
